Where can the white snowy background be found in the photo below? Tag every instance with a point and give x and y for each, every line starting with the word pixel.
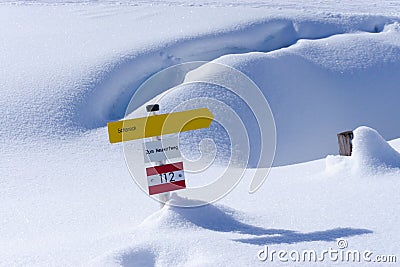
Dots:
pixel 69 67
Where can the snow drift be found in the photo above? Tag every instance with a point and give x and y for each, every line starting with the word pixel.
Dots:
pixel 370 150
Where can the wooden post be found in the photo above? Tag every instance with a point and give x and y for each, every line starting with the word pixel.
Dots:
pixel 153 109
pixel 345 145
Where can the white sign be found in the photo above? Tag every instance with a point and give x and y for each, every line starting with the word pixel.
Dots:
pixel 161 150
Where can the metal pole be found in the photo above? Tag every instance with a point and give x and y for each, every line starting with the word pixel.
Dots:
pixel 163 197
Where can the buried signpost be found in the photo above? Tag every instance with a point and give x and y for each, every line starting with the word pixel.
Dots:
pixel 161 177
pixel 243 121
pixel 345 143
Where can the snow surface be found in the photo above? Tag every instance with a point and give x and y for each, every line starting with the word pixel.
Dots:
pixel 68 68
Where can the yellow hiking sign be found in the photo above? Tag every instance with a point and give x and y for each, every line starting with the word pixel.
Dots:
pixel 157 125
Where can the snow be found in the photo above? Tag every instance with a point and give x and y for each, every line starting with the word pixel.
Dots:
pixel 67 68
pixel 371 150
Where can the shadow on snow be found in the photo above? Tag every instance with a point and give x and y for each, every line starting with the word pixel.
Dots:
pixel 222 219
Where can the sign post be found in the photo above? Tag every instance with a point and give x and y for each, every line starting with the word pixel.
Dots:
pixel 164 197
pixel 162 177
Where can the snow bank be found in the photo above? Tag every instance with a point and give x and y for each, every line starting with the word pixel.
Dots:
pixel 258 34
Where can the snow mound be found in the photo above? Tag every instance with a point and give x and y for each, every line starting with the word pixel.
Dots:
pixel 320 77
pixel 371 150
pixel 210 217
pixel 371 153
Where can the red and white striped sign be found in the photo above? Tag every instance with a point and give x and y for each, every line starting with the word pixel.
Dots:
pixel 165 178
